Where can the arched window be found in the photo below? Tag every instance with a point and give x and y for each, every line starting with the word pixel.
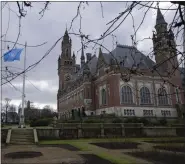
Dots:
pixel 162 96
pixel 145 95
pixel 126 95
pixel 103 93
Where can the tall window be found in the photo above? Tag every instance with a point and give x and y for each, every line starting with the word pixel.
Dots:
pixel 103 93
pixel 88 93
pixel 145 95
pixel 67 53
pixel 162 96
pixel 126 95
pixel 177 95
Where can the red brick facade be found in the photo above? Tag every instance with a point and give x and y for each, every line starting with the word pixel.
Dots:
pixel 97 86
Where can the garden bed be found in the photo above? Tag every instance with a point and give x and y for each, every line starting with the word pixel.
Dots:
pixel 23 154
pixel 94 159
pixel 171 148
pixel 117 145
pixel 63 146
pixel 159 157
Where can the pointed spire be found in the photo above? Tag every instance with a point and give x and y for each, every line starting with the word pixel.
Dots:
pixel 73 54
pixel 160 19
pixel 82 57
pixel 82 54
pixel 100 51
pixel 66 33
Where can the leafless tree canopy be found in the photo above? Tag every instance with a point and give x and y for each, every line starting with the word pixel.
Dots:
pixel 176 27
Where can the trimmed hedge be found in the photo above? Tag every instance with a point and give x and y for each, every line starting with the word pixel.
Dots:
pixel 117 120
pixel 41 122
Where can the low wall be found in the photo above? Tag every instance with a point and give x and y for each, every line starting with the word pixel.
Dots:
pixel 4 132
pixel 159 131
pixel 98 130
pixel 44 134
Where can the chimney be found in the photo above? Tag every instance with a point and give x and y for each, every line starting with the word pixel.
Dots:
pixel 88 55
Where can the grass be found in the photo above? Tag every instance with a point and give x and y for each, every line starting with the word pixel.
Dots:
pixel 108 140
pixel 114 157
pixel 83 145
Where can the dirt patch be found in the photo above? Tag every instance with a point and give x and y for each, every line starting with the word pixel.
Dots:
pixel 166 141
pixel 23 154
pixel 94 159
pixel 159 157
pixel 117 145
pixel 63 146
pixel 171 148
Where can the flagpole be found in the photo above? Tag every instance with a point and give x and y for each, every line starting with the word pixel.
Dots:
pixel 22 123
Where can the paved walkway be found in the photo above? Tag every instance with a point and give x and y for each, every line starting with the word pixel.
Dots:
pixel 50 155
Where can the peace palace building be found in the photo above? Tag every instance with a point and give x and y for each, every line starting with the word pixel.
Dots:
pixel 98 86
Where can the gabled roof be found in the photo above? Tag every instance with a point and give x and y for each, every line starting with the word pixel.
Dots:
pixel 91 65
pixel 129 55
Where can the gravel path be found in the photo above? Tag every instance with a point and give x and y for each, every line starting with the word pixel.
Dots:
pixel 50 155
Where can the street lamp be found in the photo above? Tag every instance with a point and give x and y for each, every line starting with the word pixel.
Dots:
pixel 7 100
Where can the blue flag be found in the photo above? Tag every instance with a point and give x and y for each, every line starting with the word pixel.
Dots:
pixel 13 54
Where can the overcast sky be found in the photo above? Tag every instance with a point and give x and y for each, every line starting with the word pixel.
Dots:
pixel 42 81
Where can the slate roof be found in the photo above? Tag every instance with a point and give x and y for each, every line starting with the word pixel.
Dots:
pixel 130 56
pixel 92 67
pixel 92 64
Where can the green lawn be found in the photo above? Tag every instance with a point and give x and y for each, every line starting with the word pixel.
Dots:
pixel 117 158
pixel 108 140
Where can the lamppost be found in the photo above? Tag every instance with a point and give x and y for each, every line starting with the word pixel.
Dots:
pixel 7 100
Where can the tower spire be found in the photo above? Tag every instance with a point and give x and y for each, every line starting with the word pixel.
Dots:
pixel 160 19
pixel 82 56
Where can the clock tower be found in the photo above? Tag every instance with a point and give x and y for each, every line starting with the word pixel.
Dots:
pixel 66 62
pixel 164 45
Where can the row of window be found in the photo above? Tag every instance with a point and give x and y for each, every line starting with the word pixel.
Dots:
pixel 129 112
pixel 149 113
pixel 126 96
pixel 165 113
pixel 145 96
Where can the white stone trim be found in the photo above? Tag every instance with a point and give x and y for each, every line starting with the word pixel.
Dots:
pixel 119 111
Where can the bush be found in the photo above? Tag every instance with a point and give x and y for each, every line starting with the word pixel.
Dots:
pixel 40 122
pixel 132 120
pixel 163 122
pixel 93 121
pixel 117 120
pixel 71 121
pixel 145 121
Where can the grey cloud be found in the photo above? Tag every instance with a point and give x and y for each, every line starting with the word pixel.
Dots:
pixel 52 26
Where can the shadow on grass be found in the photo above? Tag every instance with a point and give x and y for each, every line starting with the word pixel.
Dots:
pixel 159 157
